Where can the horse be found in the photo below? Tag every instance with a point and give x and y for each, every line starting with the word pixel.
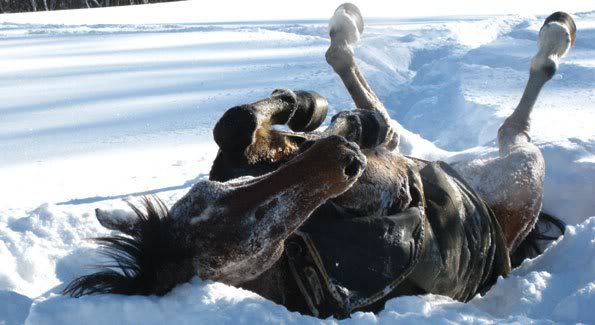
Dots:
pixel 331 222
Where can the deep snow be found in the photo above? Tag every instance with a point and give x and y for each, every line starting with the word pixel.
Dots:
pixel 93 114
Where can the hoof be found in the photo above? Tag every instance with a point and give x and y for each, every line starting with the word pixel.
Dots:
pixel 346 24
pixel 310 112
pixel 365 127
pixel 557 34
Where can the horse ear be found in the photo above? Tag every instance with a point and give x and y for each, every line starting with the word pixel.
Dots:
pixel 120 220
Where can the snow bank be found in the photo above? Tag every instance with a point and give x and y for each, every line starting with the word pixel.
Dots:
pixel 192 303
pixel 557 286
pixel 14 308
pixel 94 114
pixel 36 249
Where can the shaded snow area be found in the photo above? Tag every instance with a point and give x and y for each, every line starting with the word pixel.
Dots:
pixel 95 114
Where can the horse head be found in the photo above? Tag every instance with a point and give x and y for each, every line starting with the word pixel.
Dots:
pixel 229 232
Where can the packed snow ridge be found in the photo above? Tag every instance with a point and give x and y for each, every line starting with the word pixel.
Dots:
pixel 95 114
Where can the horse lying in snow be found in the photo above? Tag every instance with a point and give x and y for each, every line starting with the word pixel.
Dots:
pixel 332 222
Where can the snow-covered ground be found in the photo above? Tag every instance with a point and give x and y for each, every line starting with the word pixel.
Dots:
pixel 96 113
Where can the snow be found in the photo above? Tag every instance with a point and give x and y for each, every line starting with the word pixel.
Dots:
pixel 109 104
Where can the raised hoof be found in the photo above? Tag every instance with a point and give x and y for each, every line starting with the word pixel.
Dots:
pixel 310 112
pixel 346 24
pixel 365 127
pixel 557 34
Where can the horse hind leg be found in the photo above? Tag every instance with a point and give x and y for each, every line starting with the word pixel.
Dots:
pixel 345 27
pixel 556 36
pixel 512 184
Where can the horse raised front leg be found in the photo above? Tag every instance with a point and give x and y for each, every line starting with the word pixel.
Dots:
pixel 237 129
pixel 345 28
pixel 248 145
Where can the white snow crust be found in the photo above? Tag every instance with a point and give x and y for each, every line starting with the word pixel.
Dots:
pixel 96 111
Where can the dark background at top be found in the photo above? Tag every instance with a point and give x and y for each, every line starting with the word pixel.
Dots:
pixel 7 6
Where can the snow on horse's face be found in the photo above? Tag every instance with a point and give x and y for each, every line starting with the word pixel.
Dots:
pixel 229 232
pixel 242 223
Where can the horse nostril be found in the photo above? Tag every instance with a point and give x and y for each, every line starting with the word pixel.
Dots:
pixel 353 168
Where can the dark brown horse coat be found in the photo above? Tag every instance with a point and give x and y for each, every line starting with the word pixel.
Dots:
pixel 447 241
pixel 444 239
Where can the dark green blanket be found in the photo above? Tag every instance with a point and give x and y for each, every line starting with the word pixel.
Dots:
pixel 447 242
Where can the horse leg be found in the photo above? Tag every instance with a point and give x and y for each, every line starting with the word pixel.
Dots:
pixel 512 184
pixel 345 27
pixel 301 110
pixel 248 145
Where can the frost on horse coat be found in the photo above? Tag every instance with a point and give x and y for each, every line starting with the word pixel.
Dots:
pixel 447 242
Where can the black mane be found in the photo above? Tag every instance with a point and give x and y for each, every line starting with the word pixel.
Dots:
pixel 151 261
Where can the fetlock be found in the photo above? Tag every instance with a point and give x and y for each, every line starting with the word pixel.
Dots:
pixel 340 57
